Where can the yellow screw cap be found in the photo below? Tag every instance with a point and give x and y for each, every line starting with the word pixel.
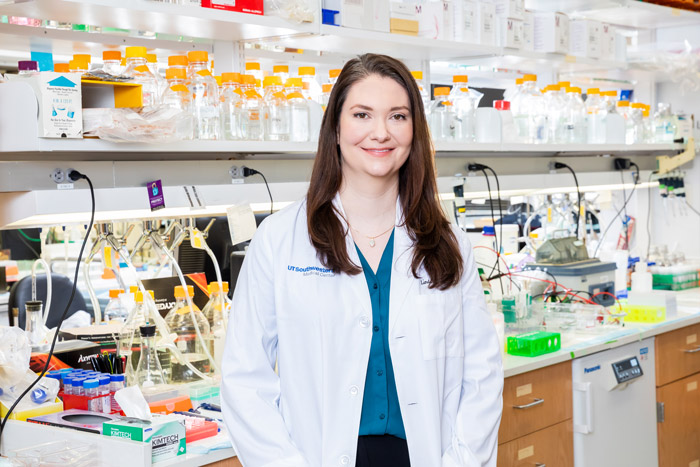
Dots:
pixel 307 71
pixel 252 66
pixel 132 52
pixel 178 60
pixel 623 103
pixel 293 83
pixel 111 55
pixel 280 69
pixel 180 292
pixel 592 91
pixel 272 81
pixel 151 58
pixel 327 87
pixel 334 73
pixel 417 75
pixel 84 57
pixel 442 91
pixel 214 287
pixel 114 293
pixel 529 77
pixel 460 79
pixel 231 77
pixel 198 56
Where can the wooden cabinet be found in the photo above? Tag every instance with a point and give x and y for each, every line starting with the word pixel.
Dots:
pixel 536 423
pixel 535 400
pixel 677 354
pixel 552 446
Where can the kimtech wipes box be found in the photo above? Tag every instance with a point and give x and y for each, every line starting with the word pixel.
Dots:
pixel 166 433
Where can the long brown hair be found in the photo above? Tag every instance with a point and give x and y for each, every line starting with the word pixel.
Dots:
pixel 435 245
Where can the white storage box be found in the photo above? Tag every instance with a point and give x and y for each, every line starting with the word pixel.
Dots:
pixel 585 38
pixel 371 15
pixel 510 8
pixel 486 23
pixel 510 33
pixel 466 24
pixel 551 32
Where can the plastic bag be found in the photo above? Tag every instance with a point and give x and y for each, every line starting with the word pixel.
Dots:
pixel 153 125
pixel 15 352
pixel 46 390
pixel 298 11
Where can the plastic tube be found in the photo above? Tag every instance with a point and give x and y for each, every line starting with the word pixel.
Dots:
pixel 47 269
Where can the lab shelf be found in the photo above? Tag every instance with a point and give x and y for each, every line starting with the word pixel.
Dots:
pixel 628 13
pixel 159 17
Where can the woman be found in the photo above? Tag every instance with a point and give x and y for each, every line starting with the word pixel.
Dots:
pixel 368 301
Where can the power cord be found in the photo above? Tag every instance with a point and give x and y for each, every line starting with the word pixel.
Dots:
pixel 247 172
pixel 561 165
pixel 624 206
pixel 74 176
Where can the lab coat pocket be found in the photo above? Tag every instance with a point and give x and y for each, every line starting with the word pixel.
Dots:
pixel 441 325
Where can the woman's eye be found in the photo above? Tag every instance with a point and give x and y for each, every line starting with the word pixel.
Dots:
pixel 360 115
pixel 398 117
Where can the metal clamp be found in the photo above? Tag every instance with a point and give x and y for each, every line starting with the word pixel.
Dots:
pixel 531 404
pixel 695 350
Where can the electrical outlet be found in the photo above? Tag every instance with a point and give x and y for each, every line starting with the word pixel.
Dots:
pixel 58 176
pixel 236 172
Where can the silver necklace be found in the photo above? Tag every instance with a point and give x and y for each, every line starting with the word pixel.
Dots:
pixel 372 243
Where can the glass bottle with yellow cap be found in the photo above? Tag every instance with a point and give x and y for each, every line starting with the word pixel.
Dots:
pixel 251 106
pixel 282 71
pixel 326 95
pixel 575 117
pixel 516 101
pixel 231 108
pixel 299 118
pixel 178 96
pixel 216 311
pixel 115 311
pixel 310 87
pixel 137 68
pixel 181 321
pixel 205 96
pixel 464 102
pixel 275 110
pixel 333 75
pixel 424 94
pixel 442 117
pixel 254 69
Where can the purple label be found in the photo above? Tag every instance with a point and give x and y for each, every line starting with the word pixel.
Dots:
pixel 155 195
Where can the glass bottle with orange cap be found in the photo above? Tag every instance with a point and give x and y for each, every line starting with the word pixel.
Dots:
pixel 575 117
pixel 281 71
pixel 442 116
pixel 178 96
pixel 333 75
pixel 112 62
pixel 205 96
pixel 326 95
pixel 231 108
pixel 636 117
pixel 299 118
pixel 254 69
pixel 152 64
pixel 181 321
pixel 595 115
pixel 251 111
pixel 216 311
pixel 137 68
pixel 275 110
pixel 464 102
pixel 310 87
pixel 424 94
pixel 115 311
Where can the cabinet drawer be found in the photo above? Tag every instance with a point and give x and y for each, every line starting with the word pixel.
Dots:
pixel 551 447
pixel 679 432
pixel 677 354
pixel 535 400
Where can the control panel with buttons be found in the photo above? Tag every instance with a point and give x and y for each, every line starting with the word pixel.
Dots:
pixel 627 370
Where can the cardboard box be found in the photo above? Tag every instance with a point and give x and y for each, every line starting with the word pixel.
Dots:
pixel 585 38
pixel 166 433
pixel 551 32
pixel 514 9
pixel 404 26
pixel 466 25
pixel 510 33
pixel 486 23
pixel 110 95
pixel 254 7
pixel 370 15
pixel 528 31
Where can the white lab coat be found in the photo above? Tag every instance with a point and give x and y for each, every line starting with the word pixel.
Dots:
pixel 318 325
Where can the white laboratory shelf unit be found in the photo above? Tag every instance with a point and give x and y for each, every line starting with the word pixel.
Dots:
pixel 159 17
pixel 628 13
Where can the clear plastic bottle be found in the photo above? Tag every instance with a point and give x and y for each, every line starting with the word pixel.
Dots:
pixel 180 321
pixel 103 390
pixel 275 110
pixel 623 108
pixel 112 62
pixel 534 110
pixel 148 371
pixel 253 68
pixel 137 68
pixel 575 117
pixel 333 75
pixel 615 125
pixel 216 311
pixel 115 311
pixel 636 118
pixel 554 101
pixel 252 113
pixel 28 67
pixel 90 389
pixel 326 95
pixel 78 389
pixel 299 112
pixel 424 94
pixel 205 96
pixel 664 124
pixel 595 114
pixel 464 103
pixel 648 124
pixel 178 96
pixel 231 108
pixel 281 71
pixel 442 116
pixel 310 87
pixel 116 382
pixel 130 336
pixel 152 64
pixel 516 107
pixel 67 383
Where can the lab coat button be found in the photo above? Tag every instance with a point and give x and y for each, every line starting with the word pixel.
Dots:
pixel 344 460
pixel 382 416
pixel 364 321
pixel 354 390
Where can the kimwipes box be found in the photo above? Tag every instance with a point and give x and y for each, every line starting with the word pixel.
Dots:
pixel 254 7
pixel 166 433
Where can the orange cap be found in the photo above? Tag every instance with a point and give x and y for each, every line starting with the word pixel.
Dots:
pixel 178 60
pixel 175 73
pixel 231 77
pixel 77 65
pixel 111 55
pixel 529 77
pixel 623 103
pixel 84 57
pixel 307 71
pixel 272 81
pixel 519 81
pixel 575 89
pixel 180 292
pixel 334 73
pixel 552 87
pixel 280 69
pixel 219 80
pixel 293 82
pixel 133 289
pixel 114 293
pixel 442 91
pixel 327 87
pixel 151 58
pixel 564 84
pixel 61 67
pixel 252 66
pixel 609 93
pixel 638 105
pixel 136 52
pixel 460 79
pixel 214 287
pixel 249 79
pixel 417 74
pixel 138 295
pixel 198 56
pixel 592 91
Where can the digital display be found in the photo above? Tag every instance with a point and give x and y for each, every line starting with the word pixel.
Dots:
pixel 627 370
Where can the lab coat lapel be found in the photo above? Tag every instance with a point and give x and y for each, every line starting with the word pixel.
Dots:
pixel 357 283
pixel 401 277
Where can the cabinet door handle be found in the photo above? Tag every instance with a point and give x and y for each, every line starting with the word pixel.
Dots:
pixel 695 350
pixel 537 464
pixel 531 404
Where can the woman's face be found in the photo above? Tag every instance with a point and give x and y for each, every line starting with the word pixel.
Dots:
pixel 375 129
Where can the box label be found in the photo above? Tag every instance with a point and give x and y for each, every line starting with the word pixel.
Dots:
pixel 524 453
pixel 523 390
pixel 155 195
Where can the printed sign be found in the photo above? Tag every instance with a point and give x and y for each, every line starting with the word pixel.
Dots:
pixel 155 195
